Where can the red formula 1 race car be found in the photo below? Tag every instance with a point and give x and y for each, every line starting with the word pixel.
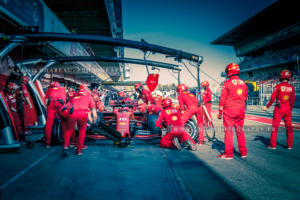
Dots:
pixel 124 123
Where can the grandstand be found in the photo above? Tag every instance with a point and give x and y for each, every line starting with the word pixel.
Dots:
pixel 266 43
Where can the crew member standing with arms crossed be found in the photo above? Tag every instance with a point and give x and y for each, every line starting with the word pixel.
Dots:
pixel 284 94
pixel 232 107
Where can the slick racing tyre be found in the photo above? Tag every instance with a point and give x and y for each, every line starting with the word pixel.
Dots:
pixel 191 128
pixel 56 136
pixel 151 124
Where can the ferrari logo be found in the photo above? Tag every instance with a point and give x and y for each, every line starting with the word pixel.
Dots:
pixel 174 118
pixel 282 88
pixel 286 97
pixel 192 95
pixel 234 82
pixel 154 75
pixel 76 97
pixel 239 91
pixel 168 112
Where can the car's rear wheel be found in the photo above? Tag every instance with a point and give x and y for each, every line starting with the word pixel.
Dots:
pixel 56 136
pixel 192 129
pixel 151 124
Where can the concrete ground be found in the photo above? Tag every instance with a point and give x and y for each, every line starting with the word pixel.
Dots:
pixel 144 171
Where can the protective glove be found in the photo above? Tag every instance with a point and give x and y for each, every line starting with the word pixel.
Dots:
pixel 64 108
pixel 61 102
pixel 71 110
pixel 220 115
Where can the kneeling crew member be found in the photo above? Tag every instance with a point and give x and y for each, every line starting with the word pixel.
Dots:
pixel 172 118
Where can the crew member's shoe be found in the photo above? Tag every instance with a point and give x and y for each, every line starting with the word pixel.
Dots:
pixel 224 156
pixel 176 143
pixel 65 152
pixel 48 146
pixel 289 148
pixel 83 147
pixel 271 147
pixel 191 146
pixel 78 152
pixel 244 156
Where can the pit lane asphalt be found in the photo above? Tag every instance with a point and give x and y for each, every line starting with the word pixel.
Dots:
pixel 144 171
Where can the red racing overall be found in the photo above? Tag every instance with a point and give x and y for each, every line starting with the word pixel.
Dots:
pixel 232 105
pixel 147 97
pixel 189 101
pixel 12 101
pixel 206 99
pixel 29 111
pixel 172 117
pixel 53 94
pixel 284 94
pixel 82 105
pixel 70 94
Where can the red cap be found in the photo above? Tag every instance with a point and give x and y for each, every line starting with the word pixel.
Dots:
pixel 166 103
pixel 54 84
pixel 285 74
pixel 232 69
pixel 121 94
pixel 83 92
pixel 181 87
pixel 11 87
pixel 205 84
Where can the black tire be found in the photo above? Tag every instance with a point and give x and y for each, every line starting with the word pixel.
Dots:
pixel 151 124
pixel 191 128
pixel 210 132
pixel 56 136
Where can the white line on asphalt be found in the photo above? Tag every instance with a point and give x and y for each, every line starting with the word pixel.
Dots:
pixel 25 170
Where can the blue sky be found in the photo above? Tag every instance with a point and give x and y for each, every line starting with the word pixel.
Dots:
pixel 189 26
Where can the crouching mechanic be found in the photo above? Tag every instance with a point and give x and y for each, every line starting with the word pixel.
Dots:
pixel 284 94
pixel 232 107
pixel 189 106
pixel 177 134
pixel 144 94
pixel 80 109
